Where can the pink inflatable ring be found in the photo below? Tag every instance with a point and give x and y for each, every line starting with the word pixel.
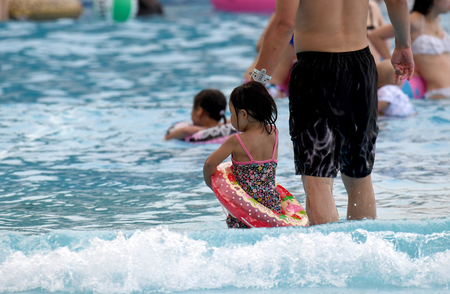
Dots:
pixel 243 207
pixel 255 6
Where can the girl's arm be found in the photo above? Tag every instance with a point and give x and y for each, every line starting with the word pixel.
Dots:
pixel 216 158
pixel 378 38
pixel 183 132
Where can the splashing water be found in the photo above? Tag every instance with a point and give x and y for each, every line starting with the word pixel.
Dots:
pixel 94 201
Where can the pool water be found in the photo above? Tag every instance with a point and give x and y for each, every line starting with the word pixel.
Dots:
pixel 93 200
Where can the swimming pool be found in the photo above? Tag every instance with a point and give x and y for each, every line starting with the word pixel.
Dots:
pixel 94 201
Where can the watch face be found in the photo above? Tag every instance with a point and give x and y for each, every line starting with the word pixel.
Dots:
pixel 260 76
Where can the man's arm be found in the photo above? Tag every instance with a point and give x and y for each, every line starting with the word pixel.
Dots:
pixel 402 58
pixel 278 34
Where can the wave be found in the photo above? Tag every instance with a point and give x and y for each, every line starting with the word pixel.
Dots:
pixel 344 255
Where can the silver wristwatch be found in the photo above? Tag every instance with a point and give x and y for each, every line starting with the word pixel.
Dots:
pixel 260 76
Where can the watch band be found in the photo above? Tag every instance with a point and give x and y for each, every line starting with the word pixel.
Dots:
pixel 260 76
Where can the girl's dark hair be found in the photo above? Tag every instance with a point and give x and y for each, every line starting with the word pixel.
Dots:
pixel 422 6
pixel 254 98
pixel 212 101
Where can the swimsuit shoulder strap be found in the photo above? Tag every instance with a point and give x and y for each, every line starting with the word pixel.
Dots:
pixel 276 143
pixel 243 147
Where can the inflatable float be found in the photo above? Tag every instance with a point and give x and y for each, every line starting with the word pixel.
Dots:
pixel 45 9
pixel 214 135
pixel 415 88
pixel 246 209
pixel 248 6
pixel 117 10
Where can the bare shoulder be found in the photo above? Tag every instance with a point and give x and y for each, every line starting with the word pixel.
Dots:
pixel 415 21
pixel 231 142
pixel 276 134
pixel 232 139
pixel 269 138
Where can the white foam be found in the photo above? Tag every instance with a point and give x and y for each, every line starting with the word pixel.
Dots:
pixel 162 260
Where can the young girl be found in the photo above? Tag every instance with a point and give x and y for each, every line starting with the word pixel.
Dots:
pixel 254 152
pixel 209 109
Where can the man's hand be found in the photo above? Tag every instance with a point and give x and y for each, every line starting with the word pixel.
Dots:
pixel 403 63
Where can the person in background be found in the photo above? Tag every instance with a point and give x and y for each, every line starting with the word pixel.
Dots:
pixel 392 101
pixel 430 45
pixel 4 10
pixel 333 95
pixel 149 7
pixel 254 151
pixel 374 20
pixel 278 85
pixel 207 112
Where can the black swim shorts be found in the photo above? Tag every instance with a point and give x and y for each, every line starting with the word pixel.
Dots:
pixel 333 113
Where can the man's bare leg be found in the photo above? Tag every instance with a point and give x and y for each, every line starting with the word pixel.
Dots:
pixel 320 205
pixel 361 198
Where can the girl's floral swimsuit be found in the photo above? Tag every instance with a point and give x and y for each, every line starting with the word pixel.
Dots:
pixel 257 179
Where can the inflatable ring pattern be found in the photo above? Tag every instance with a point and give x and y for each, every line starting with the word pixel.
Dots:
pixel 217 134
pixel 213 135
pixel 243 207
pixel 45 9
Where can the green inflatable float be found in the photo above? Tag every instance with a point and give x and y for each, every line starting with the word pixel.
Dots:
pixel 117 10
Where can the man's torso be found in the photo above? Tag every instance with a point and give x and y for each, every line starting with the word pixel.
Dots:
pixel 331 26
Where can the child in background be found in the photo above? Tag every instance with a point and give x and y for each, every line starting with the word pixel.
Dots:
pixel 392 101
pixel 209 109
pixel 254 152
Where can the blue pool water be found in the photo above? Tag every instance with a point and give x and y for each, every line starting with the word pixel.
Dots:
pixel 94 201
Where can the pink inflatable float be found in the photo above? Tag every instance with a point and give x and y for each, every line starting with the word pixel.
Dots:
pixel 243 207
pixel 415 88
pixel 255 6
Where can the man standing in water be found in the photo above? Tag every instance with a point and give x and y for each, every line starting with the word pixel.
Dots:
pixel 333 95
